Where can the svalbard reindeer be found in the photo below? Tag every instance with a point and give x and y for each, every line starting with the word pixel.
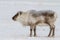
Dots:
pixel 32 18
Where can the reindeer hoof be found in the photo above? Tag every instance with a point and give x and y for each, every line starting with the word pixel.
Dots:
pixel 34 35
pixel 48 35
pixel 30 35
pixel 52 35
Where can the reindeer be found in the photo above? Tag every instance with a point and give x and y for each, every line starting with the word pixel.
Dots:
pixel 33 18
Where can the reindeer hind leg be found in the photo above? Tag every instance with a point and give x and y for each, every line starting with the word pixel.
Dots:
pixel 53 30
pixel 50 29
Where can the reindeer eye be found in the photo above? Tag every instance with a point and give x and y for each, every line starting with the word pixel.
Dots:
pixel 20 12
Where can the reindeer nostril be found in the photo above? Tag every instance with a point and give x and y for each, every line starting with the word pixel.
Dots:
pixel 12 18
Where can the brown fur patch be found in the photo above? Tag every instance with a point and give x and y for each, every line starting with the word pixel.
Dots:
pixel 46 14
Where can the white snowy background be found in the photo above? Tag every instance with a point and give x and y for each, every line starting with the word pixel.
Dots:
pixel 10 30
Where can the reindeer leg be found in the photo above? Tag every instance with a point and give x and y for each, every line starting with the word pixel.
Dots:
pixel 53 31
pixel 34 30
pixel 30 31
pixel 50 32
pixel 50 29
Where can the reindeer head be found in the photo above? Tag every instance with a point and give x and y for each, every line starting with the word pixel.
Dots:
pixel 16 15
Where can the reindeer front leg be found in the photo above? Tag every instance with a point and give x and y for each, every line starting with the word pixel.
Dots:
pixel 30 31
pixel 34 30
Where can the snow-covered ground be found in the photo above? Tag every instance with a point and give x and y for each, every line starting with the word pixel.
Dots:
pixel 10 30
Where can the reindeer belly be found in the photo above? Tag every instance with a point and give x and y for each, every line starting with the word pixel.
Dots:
pixel 41 19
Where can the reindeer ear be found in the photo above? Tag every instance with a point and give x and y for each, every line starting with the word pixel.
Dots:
pixel 20 12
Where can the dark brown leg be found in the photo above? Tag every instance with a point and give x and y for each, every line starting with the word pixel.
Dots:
pixel 50 32
pixel 30 31
pixel 50 29
pixel 34 30
pixel 53 31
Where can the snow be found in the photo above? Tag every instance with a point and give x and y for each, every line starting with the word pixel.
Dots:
pixel 11 30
